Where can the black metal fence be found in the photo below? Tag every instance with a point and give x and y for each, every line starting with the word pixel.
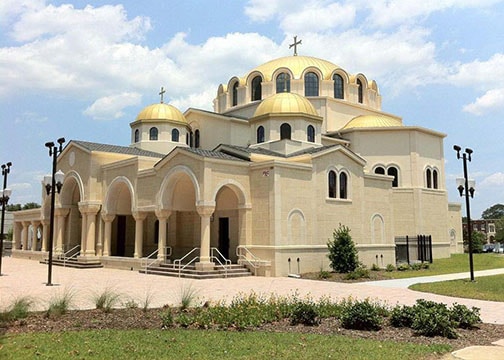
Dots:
pixel 414 248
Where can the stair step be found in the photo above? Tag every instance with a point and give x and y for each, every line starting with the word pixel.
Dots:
pixel 73 263
pixel 190 271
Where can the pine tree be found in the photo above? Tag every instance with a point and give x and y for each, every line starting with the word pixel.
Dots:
pixel 342 252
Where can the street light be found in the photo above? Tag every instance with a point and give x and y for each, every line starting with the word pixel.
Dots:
pixel 4 199
pixel 53 184
pixel 466 188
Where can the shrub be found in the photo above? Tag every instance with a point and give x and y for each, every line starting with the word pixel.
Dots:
pixel 342 251
pixel 18 310
pixel 359 273
pixel 106 300
pixel 390 268
pixel 402 316
pixel 464 317
pixel 60 304
pixel 361 315
pixel 167 319
pixel 304 313
pixel 188 296
pixel 375 267
pixel 416 266
pixel 403 267
pixel 425 265
pixel 433 319
pixel 323 274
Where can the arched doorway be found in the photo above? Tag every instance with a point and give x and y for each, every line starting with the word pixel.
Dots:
pixel 119 203
pixel 70 198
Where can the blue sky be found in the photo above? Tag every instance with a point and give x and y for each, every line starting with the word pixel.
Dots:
pixel 84 69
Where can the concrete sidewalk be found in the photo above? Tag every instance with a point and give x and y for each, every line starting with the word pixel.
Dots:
pixel 28 278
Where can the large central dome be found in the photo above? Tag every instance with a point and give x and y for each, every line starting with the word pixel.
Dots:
pixel 296 64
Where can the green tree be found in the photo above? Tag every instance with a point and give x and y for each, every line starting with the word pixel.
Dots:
pixel 499 230
pixel 478 240
pixel 342 252
pixel 493 212
pixel 31 205
pixel 13 207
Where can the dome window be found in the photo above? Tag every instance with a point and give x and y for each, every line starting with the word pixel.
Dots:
pixel 197 139
pixel 310 133
pixel 359 91
pixel 285 131
pixel 137 135
pixel 256 89
pixel 235 93
pixel 175 135
pixel 338 87
pixel 283 83
pixel 311 83
pixel 260 134
pixel 153 133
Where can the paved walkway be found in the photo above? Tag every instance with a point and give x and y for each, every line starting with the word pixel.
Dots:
pixel 28 278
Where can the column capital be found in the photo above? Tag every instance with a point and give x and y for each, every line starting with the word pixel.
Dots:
pixel 163 213
pixel 61 211
pixel 205 210
pixel 108 217
pixel 139 215
pixel 89 207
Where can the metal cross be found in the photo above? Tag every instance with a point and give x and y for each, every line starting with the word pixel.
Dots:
pixel 296 43
pixel 162 93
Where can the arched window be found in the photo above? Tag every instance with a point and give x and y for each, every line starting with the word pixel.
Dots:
pixel 285 131
pixel 283 83
pixel 428 178
pixel 338 87
pixel 343 186
pixel 392 171
pixel 187 138
pixel 379 170
pixel 359 91
pixel 256 93
pixel 311 84
pixel 137 135
pixel 153 133
pixel 197 139
pixel 260 134
pixel 331 180
pixel 435 179
pixel 310 133
pixel 235 93
pixel 175 135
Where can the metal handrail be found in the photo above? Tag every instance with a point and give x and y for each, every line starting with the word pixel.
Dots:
pixel 227 262
pixel 65 257
pixel 244 258
pixel 145 260
pixel 178 262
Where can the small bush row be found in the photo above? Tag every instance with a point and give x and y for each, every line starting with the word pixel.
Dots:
pixel 429 318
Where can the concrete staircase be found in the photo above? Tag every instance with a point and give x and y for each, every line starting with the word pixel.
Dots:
pixel 233 270
pixel 73 263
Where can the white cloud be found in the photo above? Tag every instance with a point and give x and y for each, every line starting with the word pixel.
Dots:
pixel 111 107
pixel 479 73
pixel 492 100
pixel 496 179
pixel 30 118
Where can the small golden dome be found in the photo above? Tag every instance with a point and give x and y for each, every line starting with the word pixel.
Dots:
pixel 296 64
pixel 285 102
pixel 161 112
pixel 372 121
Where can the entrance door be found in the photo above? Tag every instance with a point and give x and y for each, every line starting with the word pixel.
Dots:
pixel 224 237
pixel 121 235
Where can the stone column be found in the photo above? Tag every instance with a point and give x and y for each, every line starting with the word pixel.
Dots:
pixel 35 225
pixel 18 231
pixel 60 214
pixel 45 234
pixel 205 211
pixel 107 234
pixel 245 224
pixel 90 211
pixel 24 235
pixel 162 216
pixel 83 230
pixel 139 219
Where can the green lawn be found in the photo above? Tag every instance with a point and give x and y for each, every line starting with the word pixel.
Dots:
pixel 483 288
pixel 204 344
pixel 457 263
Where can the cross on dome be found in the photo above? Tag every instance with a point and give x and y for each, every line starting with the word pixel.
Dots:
pixel 161 93
pixel 296 43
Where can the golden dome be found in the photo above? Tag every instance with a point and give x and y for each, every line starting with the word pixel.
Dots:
pixel 372 121
pixel 161 112
pixel 296 64
pixel 285 102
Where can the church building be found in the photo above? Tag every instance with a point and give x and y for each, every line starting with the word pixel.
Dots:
pixel 294 148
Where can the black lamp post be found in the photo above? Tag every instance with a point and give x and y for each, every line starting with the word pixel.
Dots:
pixel 4 199
pixel 53 184
pixel 466 187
